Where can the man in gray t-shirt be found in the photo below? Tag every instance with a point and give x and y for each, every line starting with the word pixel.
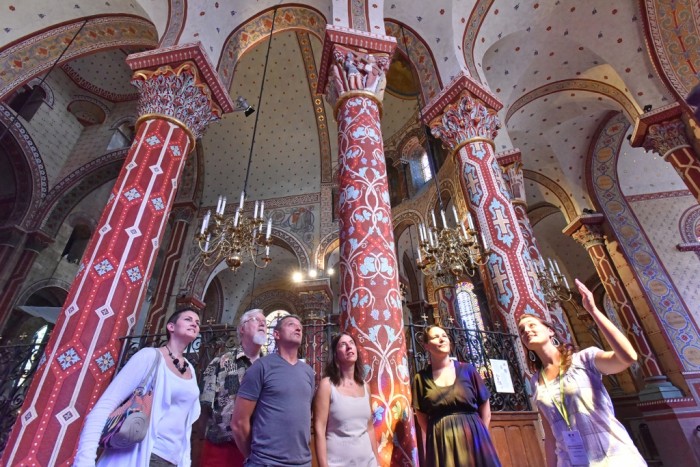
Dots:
pixel 271 420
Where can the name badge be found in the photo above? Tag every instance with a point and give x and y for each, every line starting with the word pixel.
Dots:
pixel 574 447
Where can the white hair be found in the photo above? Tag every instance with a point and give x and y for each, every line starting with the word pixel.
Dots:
pixel 244 319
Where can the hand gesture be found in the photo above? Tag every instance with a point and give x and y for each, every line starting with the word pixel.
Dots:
pixel 586 297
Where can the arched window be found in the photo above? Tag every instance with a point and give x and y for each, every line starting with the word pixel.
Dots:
pixel 27 101
pixel 122 137
pixel 468 307
pixel 76 244
pixel 426 171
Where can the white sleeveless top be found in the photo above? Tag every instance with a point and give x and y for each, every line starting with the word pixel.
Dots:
pixel 347 439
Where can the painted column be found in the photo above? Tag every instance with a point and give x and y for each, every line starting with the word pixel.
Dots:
pixel 512 167
pixel 353 80
pixel 446 301
pixel 664 132
pixel 464 117
pixel 180 94
pixel 181 217
pixel 587 230
pixel 34 244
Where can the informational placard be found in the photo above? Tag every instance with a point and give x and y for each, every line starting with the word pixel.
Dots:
pixel 501 376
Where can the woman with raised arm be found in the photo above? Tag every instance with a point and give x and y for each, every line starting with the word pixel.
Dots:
pixel 175 403
pixel 577 413
pixel 343 429
pixel 453 410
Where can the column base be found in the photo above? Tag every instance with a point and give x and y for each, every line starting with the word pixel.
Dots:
pixel 658 388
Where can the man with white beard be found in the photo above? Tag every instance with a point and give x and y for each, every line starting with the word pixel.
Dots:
pixel 222 378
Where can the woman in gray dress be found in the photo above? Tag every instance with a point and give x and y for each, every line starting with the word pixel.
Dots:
pixel 343 430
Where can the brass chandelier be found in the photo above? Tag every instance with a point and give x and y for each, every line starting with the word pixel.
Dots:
pixel 448 250
pixel 235 237
pixel 554 285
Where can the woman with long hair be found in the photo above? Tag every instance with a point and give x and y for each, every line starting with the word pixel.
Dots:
pixel 175 403
pixel 343 430
pixel 452 406
pixel 577 413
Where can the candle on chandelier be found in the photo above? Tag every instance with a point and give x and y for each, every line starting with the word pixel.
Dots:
pixel 269 228
pixel 464 231
pixel 421 232
pixel 566 283
pixel 470 221
pixel 218 205
pixel 420 258
pixel 235 218
pixel 223 205
pixel 454 213
pixel 483 241
pixel 240 205
pixel 267 250
pixel 205 222
pixel 206 244
pixel 262 208
pixel 432 214
pixel 255 212
pixel 556 265
pixel 444 221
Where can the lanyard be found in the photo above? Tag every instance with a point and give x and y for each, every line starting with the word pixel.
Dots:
pixel 562 409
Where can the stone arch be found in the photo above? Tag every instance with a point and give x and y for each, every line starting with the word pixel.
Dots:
pixel 75 187
pixel 199 274
pixel 24 156
pixel 689 226
pixel 257 28
pixel 630 108
pixel 567 206
pixel 668 309
pixel 325 247
pixel 31 289
pixel 275 299
pixel 420 57
pixel 99 33
pixel 404 220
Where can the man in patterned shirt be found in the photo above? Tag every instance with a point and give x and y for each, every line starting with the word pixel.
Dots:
pixel 222 378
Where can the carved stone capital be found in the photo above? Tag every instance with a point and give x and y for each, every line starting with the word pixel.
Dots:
pixel 587 230
pixel 37 241
pixel 512 168
pixel 444 281
pixel 354 62
pixel 188 302
pixel 465 120
pixel 663 138
pixel 12 236
pixel 181 84
pixel 315 298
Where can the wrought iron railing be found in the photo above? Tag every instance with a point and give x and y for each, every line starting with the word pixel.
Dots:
pixel 477 347
pixel 17 366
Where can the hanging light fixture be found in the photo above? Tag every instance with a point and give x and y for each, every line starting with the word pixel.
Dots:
pixel 447 250
pixel 554 284
pixel 235 237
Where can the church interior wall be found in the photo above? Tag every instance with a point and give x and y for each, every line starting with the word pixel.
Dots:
pixel 54 130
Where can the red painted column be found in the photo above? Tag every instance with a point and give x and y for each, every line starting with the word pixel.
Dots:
pixel 34 244
pixel 370 300
pixel 182 216
pixel 587 231
pixel 179 95
pixel 464 117
pixel 664 132
pixel 512 167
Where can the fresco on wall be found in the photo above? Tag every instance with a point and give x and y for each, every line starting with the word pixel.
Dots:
pixel 298 220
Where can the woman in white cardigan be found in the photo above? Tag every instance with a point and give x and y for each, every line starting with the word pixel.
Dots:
pixel 175 404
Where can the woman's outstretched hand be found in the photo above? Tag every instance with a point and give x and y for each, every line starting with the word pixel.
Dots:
pixel 586 296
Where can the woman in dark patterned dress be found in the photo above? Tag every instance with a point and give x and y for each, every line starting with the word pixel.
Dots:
pixel 452 406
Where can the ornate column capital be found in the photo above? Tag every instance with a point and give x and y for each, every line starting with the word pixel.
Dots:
pixel 179 84
pixel 661 130
pixel 188 302
pixel 183 212
pixel 354 63
pixel 463 112
pixel 37 241
pixel 587 229
pixel 12 236
pixel 445 281
pixel 511 164
pixel 315 297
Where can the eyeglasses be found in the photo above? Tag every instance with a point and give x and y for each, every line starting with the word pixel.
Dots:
pixel 254 318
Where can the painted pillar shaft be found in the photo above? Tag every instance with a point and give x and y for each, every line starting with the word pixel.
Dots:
pixel 686 163
pixel 556 314
pixel 510 267
pixel 613 287
pixel 161 298
pixel 107 294
pixel 370 300
pixel 353 81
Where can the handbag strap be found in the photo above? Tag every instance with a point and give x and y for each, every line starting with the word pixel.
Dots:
pixel 150 376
